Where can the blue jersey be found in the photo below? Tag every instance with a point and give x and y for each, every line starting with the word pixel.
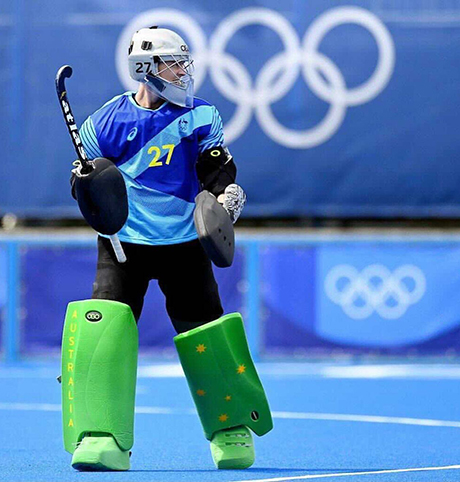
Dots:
pixel 156 151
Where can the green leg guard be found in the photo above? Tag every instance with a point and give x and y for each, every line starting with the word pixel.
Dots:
pixel 99 364
pixel 226 389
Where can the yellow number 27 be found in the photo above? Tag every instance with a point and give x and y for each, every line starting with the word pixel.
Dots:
pixel 157 153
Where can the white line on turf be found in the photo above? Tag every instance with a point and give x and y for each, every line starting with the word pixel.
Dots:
pixel 40 407
pixel 350 474
pixel 333 417
pixel 392 371
pixel 339 417
pixel 55 407
pixel 281 370
pixel 398 371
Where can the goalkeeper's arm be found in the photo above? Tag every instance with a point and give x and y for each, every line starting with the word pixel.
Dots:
pixel 217 173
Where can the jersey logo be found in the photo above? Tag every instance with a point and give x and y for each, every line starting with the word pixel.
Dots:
pixel 183 124
pixel 132 134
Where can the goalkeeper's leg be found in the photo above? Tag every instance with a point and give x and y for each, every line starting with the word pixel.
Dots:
pixel 99 362
pixel 215 357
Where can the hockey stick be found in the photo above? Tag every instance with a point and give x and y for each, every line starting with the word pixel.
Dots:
pixel 86 166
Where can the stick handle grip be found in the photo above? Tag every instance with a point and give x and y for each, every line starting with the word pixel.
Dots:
pixel 117 247
pixel 65 72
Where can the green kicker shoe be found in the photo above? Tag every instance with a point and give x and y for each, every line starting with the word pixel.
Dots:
pixel 99 452
pixel 233 448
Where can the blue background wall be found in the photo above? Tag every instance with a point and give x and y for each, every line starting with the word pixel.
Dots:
pixel 299 296
pixel 391 151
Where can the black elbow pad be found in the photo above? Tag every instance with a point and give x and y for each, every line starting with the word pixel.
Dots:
pixel 216 170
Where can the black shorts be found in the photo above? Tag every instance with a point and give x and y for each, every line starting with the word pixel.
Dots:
pixel 183 271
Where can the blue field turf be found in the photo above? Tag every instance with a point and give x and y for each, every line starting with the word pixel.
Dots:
pixel 319 426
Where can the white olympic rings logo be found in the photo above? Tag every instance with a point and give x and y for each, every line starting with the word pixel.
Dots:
pixel 373 288
pixel 279 74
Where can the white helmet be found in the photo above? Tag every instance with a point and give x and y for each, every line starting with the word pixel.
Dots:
pixel 152 46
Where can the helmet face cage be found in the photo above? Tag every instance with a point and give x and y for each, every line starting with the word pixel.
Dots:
pixel 170 63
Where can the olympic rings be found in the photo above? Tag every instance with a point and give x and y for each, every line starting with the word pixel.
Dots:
pixel 361 293
pixel 276 78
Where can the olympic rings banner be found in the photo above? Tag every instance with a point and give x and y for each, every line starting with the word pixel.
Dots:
pixel 379 297
pixel 331 108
